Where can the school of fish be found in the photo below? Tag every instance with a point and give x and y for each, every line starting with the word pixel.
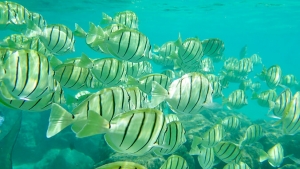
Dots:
pixel 119 96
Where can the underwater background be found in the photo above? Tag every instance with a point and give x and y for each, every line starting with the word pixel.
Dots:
pixel 270 29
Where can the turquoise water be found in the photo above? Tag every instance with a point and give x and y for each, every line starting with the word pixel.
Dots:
pixel 269 28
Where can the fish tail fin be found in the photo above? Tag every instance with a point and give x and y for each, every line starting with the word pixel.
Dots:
pixel 156 48
pixel 196 141
pixel 178 42
pixel 194 151
pixel 79 32
pixel 271 106
pixel 58 120
pixel 263 156
pixel 33 30
pixel 159 94
pixel 254 96
pixel 106 19
pixel 131 81
pixel 85 62
pixel 95 124
pixel 96 36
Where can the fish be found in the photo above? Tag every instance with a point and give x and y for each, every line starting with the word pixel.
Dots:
pixel 255 87
pixel 38 19
pixel 244 67
pixel 245 84
pixel 210 138
pixel 126 44
pixel 265 97
pixel 291 115
pixel 252 135
pixel 145 83
pixel 275 155
pixel 231 123
pixel 127 18
pixel 206 157
pixel 171 139
pixel 167 49
pixel 137 69
pixel 217 89
pixel 206 65
pixel 230 64
pixel 57 38
pixel 189 51
pixel 236 100
pixel 289 80
pixel 228 152
pixel 164 61
pixel 135 132
pixel 7 143
pixel 272 76
pixel 213 47
pixel 41 104
pixel 14 16
pixel 169 73
pixel 107 103
pixel 243 51
pixel 175 162
pixel 188 94
pixel 28 76
pixel 232 76
pixel 233 165
pixel 256 59
pixel 171 118
pixel 278 106
pixel 122 165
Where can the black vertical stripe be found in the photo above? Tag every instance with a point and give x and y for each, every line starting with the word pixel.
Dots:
pixel 17 73
pixel 120 42
pixel 58 38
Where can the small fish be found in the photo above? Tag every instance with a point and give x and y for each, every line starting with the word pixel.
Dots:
pixel 265 97
pixel 206 65
pixel 233 77
pixel 246 84
pixel 217 89
pixel 170 139
pixel 127 18
pixel 164 61
pixel 206 157
pixel 274 156
pixel 210 138
pixel 236 100
pixel 255 87
pixel 289 80
pixel 169 73
pixel 1 120
pixel 145 83
pixel 230 64
pixel 233 165
pixel 228 152
pixel 175 162
pixel 28 76
pixel 213 47
pixel 256 59
pixel 244 67
pixel 122 165
pixel 272 76
pixel 38 19
pixel 231 123
pixel 188 94
pixel 135 132
pixel 243 51
pixel 280 103
pixel 252 134
pixel 167 49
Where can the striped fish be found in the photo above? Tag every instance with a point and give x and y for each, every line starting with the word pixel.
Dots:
pixel 145 83
pixel 255 87
pixel 109 71
pixel 127 18
pixel 233 77
pixel 122 165
pixel 175 162
pixel 252 134
pixel 289 80
pixel 171 117
pixel 167 49
pixel 189 51
pixel 58 39
pixel 106 103
pixel 163 61
pixel 231 123
pixel 233 165
pixel 275 155
pixel 236 100
pixel 28 76
pixel 169 73
pixel 172 138
pixel 210 138
pixel 13 16
pixel 245 84
pixel 135 132
pixel 256 59
pixel 281 102
pixel 137 69
pixel 265 97
pixel 206 158
pixel 230 64
pixel 212 77
pixel 217 89
pixel 38 105
pixel 243 67
pixel 16 38
pixel 272 76
pixel 213 47
pixel 228 152
pixel 188 94
pixel 291 116
pixel 127 44
pixel 207 65
pixel 38 19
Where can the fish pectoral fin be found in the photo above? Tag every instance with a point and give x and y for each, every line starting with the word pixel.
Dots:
pixel 95 124
pixel 58 120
